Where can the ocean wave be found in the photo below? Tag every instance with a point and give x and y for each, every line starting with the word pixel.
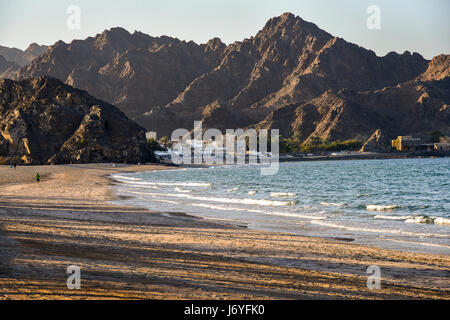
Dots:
pixel 272 213
pixel 392 217
pixel 167 201
pixel 282 194
pixel 416 219
pixel 216 207
pixel 390 231
pixel 440 220
pixel 419 243
pixel 375 207
pixel 259 202
pixel 333 204
pixel 428 220
pixel 126 178
pixel 252 192
pixel 170 184
pixel 178 189
pixel 295 215
pixel 232 189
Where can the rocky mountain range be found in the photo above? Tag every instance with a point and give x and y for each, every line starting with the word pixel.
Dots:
pixel 22 58
pixel 44 121
pixel 414 107
pixel 12 59
pixel 291 76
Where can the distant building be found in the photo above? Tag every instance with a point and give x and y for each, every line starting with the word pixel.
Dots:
pixel 406 143
pixel 410 144
pixel 150 135
pixel 443 144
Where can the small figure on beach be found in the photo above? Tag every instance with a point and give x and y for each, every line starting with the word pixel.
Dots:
pixel 10 165
pixel 15 165
pixel 38 177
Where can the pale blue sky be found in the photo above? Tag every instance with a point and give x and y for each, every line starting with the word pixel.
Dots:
pixel 416 25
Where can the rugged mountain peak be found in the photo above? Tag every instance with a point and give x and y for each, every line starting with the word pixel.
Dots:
pixel 215 45
pixel 288 25
pixel 438 68
pixel 113 36
pixel 35 49
pixel 115 32
pixel 285 19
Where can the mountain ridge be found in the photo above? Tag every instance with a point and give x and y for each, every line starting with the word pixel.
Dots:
pixel 164 83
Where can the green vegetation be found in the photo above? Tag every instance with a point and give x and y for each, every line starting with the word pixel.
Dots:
pixel 315 144
pixel 166 143
pixel 162 145
pixel 154 145
pixel 435 135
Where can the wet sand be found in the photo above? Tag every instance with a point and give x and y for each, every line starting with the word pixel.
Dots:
pixel 133 253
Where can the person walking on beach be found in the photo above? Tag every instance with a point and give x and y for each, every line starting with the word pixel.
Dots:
pixel 38 177
pixel 15 165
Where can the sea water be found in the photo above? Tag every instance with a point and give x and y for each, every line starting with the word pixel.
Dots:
pixel 401 204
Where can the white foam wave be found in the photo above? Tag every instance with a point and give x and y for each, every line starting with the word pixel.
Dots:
pixel 428 220
pixel 216 207
pixel 178 189
pixel 439 220
pixel 282 194
pixel 295 215
pixel 126 178
pixel 419 243
pixel 252 192
pixel 167 201
pixel 170 184
pixel 391 231
pixel 232 189
pixel 333 204
pixel 375 207
pixel 259 202
pixel 272 213
pixel 384 217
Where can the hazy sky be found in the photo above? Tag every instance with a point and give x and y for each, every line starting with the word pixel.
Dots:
pixel 416 25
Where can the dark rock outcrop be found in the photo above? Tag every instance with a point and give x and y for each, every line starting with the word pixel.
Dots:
pixel 378 142
pixel 43 120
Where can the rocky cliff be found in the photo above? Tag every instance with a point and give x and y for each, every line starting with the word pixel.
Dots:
pixel 43 120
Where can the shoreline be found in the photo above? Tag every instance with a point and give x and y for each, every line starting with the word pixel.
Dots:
pixel 359 238
pixel 362 156
pixel 134 253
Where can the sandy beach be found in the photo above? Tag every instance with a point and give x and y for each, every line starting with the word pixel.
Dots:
pixel 133 253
